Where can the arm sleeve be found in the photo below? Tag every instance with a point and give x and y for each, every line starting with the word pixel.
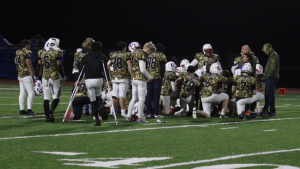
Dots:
pixel 194 62
pixel 233 68
pixel 162 68
pixel 142 65
pixel 173 86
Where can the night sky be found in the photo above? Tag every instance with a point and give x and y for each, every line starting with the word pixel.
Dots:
pixel 182 26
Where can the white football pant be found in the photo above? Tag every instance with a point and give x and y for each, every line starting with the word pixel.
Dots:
pixel 139 90
pixel 166 103
pixel 26 84
pixel 51 86
pixel 94 88
pixel 187 103
pixel 240 105
pixel 214 98
pixel 120 89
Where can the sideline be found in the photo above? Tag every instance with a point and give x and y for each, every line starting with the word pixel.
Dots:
pixel 142 129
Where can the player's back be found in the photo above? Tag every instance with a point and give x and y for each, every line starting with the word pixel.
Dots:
pixel 20 61
pixel 136 56
pixel 166 83
pixel 190 82
pixel 212 84
pixel 119 61
pixel 244 86
pixel 49 63
pixel 153 64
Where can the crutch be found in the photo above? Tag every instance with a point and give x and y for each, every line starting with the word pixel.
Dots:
pixel 110 96
pixel 72 96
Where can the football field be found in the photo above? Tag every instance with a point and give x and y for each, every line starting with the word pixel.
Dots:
pixel 182 142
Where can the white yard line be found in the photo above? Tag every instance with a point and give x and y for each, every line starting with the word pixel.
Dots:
pixel 143 129
pixel 229 128
pixel 221 158
pixel 18 104
pixel 59 153
pixel 271 130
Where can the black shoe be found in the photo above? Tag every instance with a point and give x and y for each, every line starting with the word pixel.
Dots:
pixel 272 114
pixel 241 116
pixel 22 112
pixel 253 115
pixel 30 112
pixel 98 123
pixel 264 113
pixel 51 117
pixel 247 117
pixel 47 117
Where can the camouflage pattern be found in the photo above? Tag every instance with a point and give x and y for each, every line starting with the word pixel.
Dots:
pixel 82 90
pixel 48 59
pixel 166 86
pixel 137 55
pixel 20 61
pixel 259 79
pixel 104 88
pixel 243 86
pixel 119 61
pixel 228 87
pixel 190 82
pixel 77 59
pixel 128 97
pixel 204 60
pixel 153 64
pixel 211 84
pixel 239 61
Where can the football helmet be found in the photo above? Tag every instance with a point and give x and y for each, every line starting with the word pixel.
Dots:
pixel 216 69
pixel 133 45
pixel 170 66
pixel 238 72
pixel 179 70
pixel 52 43
pixel 259 69
pixel 247 68
pixel 38 88
pixel 184 62
pixel 134 115
pixel 200 72
pixel 207 49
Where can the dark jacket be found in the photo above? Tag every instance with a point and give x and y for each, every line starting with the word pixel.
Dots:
pixel 272 67
pixel 92 63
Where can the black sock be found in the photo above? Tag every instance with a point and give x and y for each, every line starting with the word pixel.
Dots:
pixel 95 110
pixel 54 104
pixel 46 108
pixel 253 106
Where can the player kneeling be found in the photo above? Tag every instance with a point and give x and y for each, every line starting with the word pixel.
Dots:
pixel 209 96
pixel 244 88
pixel 260 88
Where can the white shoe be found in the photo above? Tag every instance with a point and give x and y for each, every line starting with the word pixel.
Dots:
pixel 100 118
pixel 178 113
pixel 148 115
pixel 158 116
pixel 194 113
pixel 124 115
pixel 141 120
pixel 127 119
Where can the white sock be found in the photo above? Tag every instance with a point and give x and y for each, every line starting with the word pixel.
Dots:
pixel 123 111
pixel 222 113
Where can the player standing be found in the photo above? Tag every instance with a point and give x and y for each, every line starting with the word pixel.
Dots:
pixel 202 59
pixel 25 76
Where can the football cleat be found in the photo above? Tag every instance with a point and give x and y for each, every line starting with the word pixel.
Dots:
pixel 223 116
pixel 141 120
pixel 158 116
pixel 179 113
pixel 22 112
pixel 51 117
pixel 194 113
pixel 30 112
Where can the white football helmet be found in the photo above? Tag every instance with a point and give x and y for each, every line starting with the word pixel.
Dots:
pixel 170 66
pixel 52 43
pixel 200 73
pixel 133 45
pixel 38 88
pixel 184 62
pixel 216 69
pixel 206 46
pixel 179 70
pixel 238 72
pixel 247 68
pixel 135 111
pixel 259 69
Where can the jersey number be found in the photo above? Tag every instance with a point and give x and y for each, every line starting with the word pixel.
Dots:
pixel 151 62
pixel 117 62
pixel 208 82
pixel 81 88
pixel 188 85
pixel 243 85
pixel 18 60
pixel 46 61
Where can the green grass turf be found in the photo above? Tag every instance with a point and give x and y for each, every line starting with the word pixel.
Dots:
pixel 183 139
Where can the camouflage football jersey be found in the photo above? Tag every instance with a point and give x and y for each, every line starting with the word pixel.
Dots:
pixel 189 84
pixel 49 59
pixel 259 79
pixel 77 59
pixel 243 85
pixel 204 60
pixel 166 86
pixel 20 61
pixel 128 97
pixel 137 55
pixel 119 61
pixel 239 61
pixel 211 84
pixel 153 64
pixel 228 87
pixel 82 90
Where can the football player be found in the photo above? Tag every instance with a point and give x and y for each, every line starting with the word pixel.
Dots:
pixel 92 65
pixel 184 62
pixel 188 88
pixel 140 76
pixel 81 98
pixel 213 82
pixel 202 59
pixel 156 68
pixel 26 75
pixel 245 90
pixel 168 86
pixel 121 64
pixel 50 62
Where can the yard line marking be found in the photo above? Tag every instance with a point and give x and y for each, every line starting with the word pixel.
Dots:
pixel 142 129
pixel 18 104
pixel 271 130
pixel 151 124
pixel 59 153
pixel 229 128
pixel 10 117
pixel 221 158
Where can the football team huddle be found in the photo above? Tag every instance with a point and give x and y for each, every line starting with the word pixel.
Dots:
pixel 142 83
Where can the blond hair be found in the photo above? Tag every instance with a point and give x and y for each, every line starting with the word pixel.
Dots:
pixel 86 44
pixel 150 46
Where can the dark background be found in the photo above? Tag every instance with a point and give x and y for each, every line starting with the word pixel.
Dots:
pixel 182 26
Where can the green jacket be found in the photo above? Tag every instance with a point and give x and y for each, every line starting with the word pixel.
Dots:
pixel 272 67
